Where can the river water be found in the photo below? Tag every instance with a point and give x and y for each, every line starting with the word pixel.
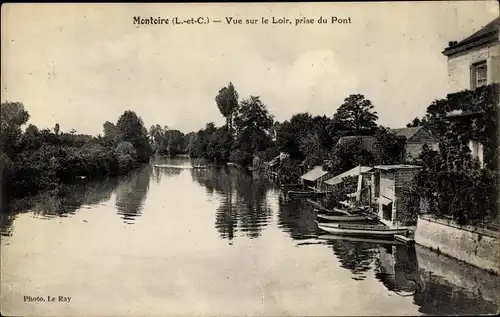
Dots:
pixel 180 241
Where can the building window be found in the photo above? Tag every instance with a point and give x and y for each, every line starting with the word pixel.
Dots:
pixel 479 75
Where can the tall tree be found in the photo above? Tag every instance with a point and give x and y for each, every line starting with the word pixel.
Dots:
pixel 356 114
pixel 131 128
pixel 227 102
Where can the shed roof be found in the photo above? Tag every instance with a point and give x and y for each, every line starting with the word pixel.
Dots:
pixel 314 174
pixel 352 172
pixel 396 167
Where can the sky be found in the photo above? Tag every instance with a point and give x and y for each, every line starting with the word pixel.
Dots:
pixel 81 65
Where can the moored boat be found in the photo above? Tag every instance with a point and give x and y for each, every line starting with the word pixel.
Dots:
pixel 362 230
pixel 344 218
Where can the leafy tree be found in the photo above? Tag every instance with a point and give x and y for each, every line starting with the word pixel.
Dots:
pixel 32 130
pixel 349 155
pixel 451 182
pixel 175 140
pixel 219 145
pixel 389 148
pixel 253 114
pixel 356 114
pixel 416 122
pixel 227 102
pixel 253 124
pixel 290 132
pixel 290 170
pixel 131 128
pixel 13 117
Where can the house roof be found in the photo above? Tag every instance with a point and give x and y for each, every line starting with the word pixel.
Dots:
pixel 367 141
pixel 486 34
pixel 352 172
pixel 408 133
pixel 314 174
pixel 396 167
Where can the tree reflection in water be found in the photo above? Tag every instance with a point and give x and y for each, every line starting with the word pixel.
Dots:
pixel 61 203
pixel 243 202
pixel 159 172
pixel 131 193
pixel 357 257
pixel 297 218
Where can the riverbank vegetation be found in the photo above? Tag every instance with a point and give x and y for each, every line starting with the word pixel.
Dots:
pixel 34 160
pixel 452 183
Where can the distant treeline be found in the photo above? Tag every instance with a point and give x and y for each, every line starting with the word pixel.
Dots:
pixel 34 160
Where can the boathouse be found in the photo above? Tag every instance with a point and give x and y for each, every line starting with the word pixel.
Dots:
pixel 362 173
pixel 416 137
pixel 312 180
pixel 388 182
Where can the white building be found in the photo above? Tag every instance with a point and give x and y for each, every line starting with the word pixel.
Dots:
pixel 472 63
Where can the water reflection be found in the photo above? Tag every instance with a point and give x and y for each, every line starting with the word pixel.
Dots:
pixel 437 284
pixel 454 288
pixel 355 256
pixel 159 173
pixel 131 194
pixel 243 204
pixel 63 203
pixel 297 218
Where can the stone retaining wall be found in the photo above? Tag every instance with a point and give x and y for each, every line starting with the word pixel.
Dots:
pixel 479 247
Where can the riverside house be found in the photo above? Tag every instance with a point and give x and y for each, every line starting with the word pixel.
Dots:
pixel 362 173
pixel 388 182
pixel 472 63
pixel 416 137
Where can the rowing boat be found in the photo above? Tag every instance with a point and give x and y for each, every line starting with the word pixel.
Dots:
pixel 344 218
pixel 362 230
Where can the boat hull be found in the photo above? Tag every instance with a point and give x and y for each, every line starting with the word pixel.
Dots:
pixel 362 232
pixel 343 218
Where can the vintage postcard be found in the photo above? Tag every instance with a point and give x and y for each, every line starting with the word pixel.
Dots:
pixel 250 159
